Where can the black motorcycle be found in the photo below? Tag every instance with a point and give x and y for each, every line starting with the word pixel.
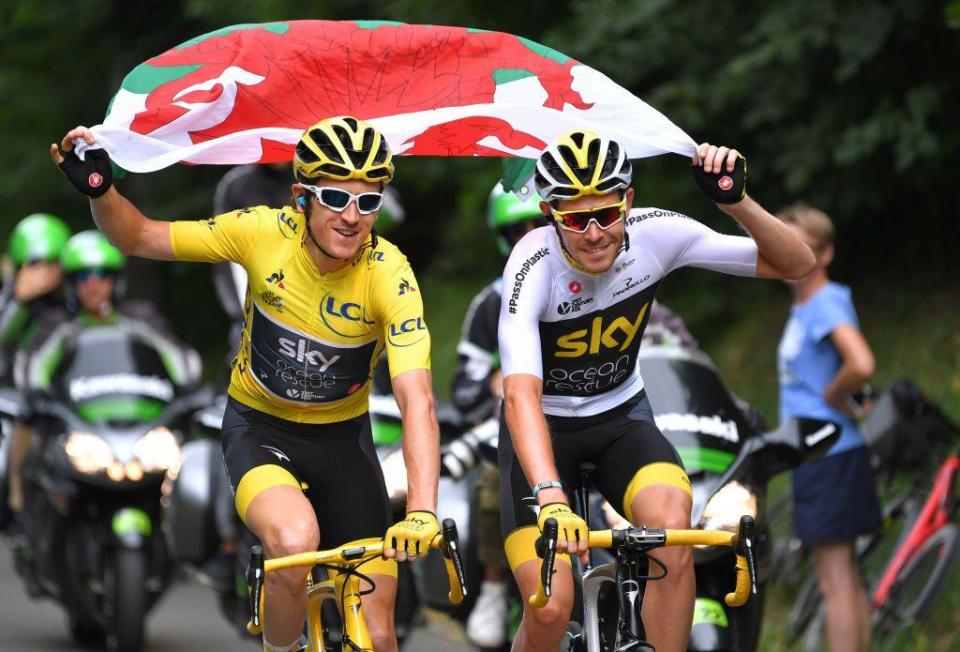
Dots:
pixel 106 432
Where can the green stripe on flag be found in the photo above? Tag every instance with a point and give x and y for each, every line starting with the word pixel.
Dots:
pixel 504 75
pixel 544 51
pixel 516 172
pixel 119 409
pixel 375 24
pixel 705 459
pixel 144 79
pixel 276 28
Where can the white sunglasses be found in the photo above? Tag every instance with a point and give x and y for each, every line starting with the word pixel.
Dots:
pixel 337 199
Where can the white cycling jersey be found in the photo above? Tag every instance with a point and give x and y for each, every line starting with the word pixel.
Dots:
pixel 580 332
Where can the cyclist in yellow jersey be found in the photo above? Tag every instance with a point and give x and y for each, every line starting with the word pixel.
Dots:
pixel 325 296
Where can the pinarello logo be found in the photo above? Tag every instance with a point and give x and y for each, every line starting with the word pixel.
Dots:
pixel 95 179
pixel 575 287
pixel 725 183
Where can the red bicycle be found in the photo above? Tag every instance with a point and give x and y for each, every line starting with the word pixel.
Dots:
pixel 921 538
pixel 920 566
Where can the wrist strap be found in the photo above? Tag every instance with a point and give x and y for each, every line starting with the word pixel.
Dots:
pixel 546 485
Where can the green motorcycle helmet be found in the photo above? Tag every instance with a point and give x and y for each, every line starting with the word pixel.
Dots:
pixel 90 250
pixel 39 237
pixel 506 209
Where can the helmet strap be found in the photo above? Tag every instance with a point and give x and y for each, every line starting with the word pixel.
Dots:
pixel 317 244
pixel 374 238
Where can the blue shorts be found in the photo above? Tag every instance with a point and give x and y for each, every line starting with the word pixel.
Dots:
pixel 835 498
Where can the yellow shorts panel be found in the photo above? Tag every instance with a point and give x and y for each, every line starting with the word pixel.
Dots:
pixel 656 473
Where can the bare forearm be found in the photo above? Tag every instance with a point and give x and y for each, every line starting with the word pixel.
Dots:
pixel 421 454
pixel 777 244
pixel 119 220
pixel 848 381
pixel 531 441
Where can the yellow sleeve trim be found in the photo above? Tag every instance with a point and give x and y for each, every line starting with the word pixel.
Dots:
pixel 656 473
pixel 520 547
pixel 258 479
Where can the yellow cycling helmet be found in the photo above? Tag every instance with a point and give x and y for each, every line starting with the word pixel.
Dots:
pixel 342 148
pixel 582 163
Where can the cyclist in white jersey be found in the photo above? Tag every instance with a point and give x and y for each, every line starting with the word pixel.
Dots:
pixel 576 299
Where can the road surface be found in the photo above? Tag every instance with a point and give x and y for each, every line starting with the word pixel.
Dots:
pixel 187 618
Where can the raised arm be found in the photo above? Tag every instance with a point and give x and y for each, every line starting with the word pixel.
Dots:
pixel 781 253
pixel 128 229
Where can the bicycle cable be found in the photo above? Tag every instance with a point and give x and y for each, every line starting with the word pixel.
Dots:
pixel 653 578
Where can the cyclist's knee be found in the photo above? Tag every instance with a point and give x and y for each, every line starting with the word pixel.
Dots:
pixel 552 618
pixel 290 537
pixel 383 634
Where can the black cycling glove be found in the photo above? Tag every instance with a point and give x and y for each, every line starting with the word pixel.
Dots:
pixel 723 187
pixel 92 176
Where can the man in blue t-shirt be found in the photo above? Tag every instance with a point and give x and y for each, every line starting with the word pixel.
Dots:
pixel 823 360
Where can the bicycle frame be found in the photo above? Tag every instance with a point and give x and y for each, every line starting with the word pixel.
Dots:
pixel 344 586
pixel 936 512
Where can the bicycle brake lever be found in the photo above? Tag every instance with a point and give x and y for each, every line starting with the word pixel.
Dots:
pixel 451 552
pixel 745 547
pixel 547 549
pixel 254 577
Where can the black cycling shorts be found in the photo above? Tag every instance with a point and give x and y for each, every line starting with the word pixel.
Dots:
pixel 624 443
pixel 335 464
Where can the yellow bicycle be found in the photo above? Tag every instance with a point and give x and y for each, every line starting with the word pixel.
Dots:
pixel 342 587
pixel 612 593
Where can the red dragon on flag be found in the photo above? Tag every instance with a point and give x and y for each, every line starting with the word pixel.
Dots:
pixel 245 93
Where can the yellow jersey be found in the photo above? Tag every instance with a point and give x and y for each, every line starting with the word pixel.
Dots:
pixel 310 340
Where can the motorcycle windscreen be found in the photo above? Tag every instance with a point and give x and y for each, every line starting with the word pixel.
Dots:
pixel 109 375
pixel 693 408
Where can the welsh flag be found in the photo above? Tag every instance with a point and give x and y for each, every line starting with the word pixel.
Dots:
pixel 244 94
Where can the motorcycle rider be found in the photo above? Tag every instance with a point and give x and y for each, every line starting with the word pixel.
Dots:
pixel 34 250
pixel 299 389
pixel 475 392
pixel 573 312
pixel 92 271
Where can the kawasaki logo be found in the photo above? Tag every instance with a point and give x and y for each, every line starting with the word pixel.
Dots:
pixel 820 435
pixel 88 387
pixel 713 426
pixel 619 333
pixel 297 350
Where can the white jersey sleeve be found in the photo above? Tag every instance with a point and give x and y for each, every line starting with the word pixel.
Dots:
pixel 679 241
pixel 526 289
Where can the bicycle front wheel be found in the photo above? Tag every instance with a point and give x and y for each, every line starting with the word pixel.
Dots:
pixel 919 582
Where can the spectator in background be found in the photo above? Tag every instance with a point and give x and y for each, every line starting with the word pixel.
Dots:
pixel 823 361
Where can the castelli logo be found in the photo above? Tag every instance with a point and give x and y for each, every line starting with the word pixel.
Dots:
pixel 725 183
pixel 95 179
pixel 575 286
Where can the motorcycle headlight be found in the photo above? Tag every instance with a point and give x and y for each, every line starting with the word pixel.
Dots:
pixel 395 475
pixel 88 453
pixel 724 510
pixel 157 451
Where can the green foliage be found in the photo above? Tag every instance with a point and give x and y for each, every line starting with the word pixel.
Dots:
pixel 847 105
